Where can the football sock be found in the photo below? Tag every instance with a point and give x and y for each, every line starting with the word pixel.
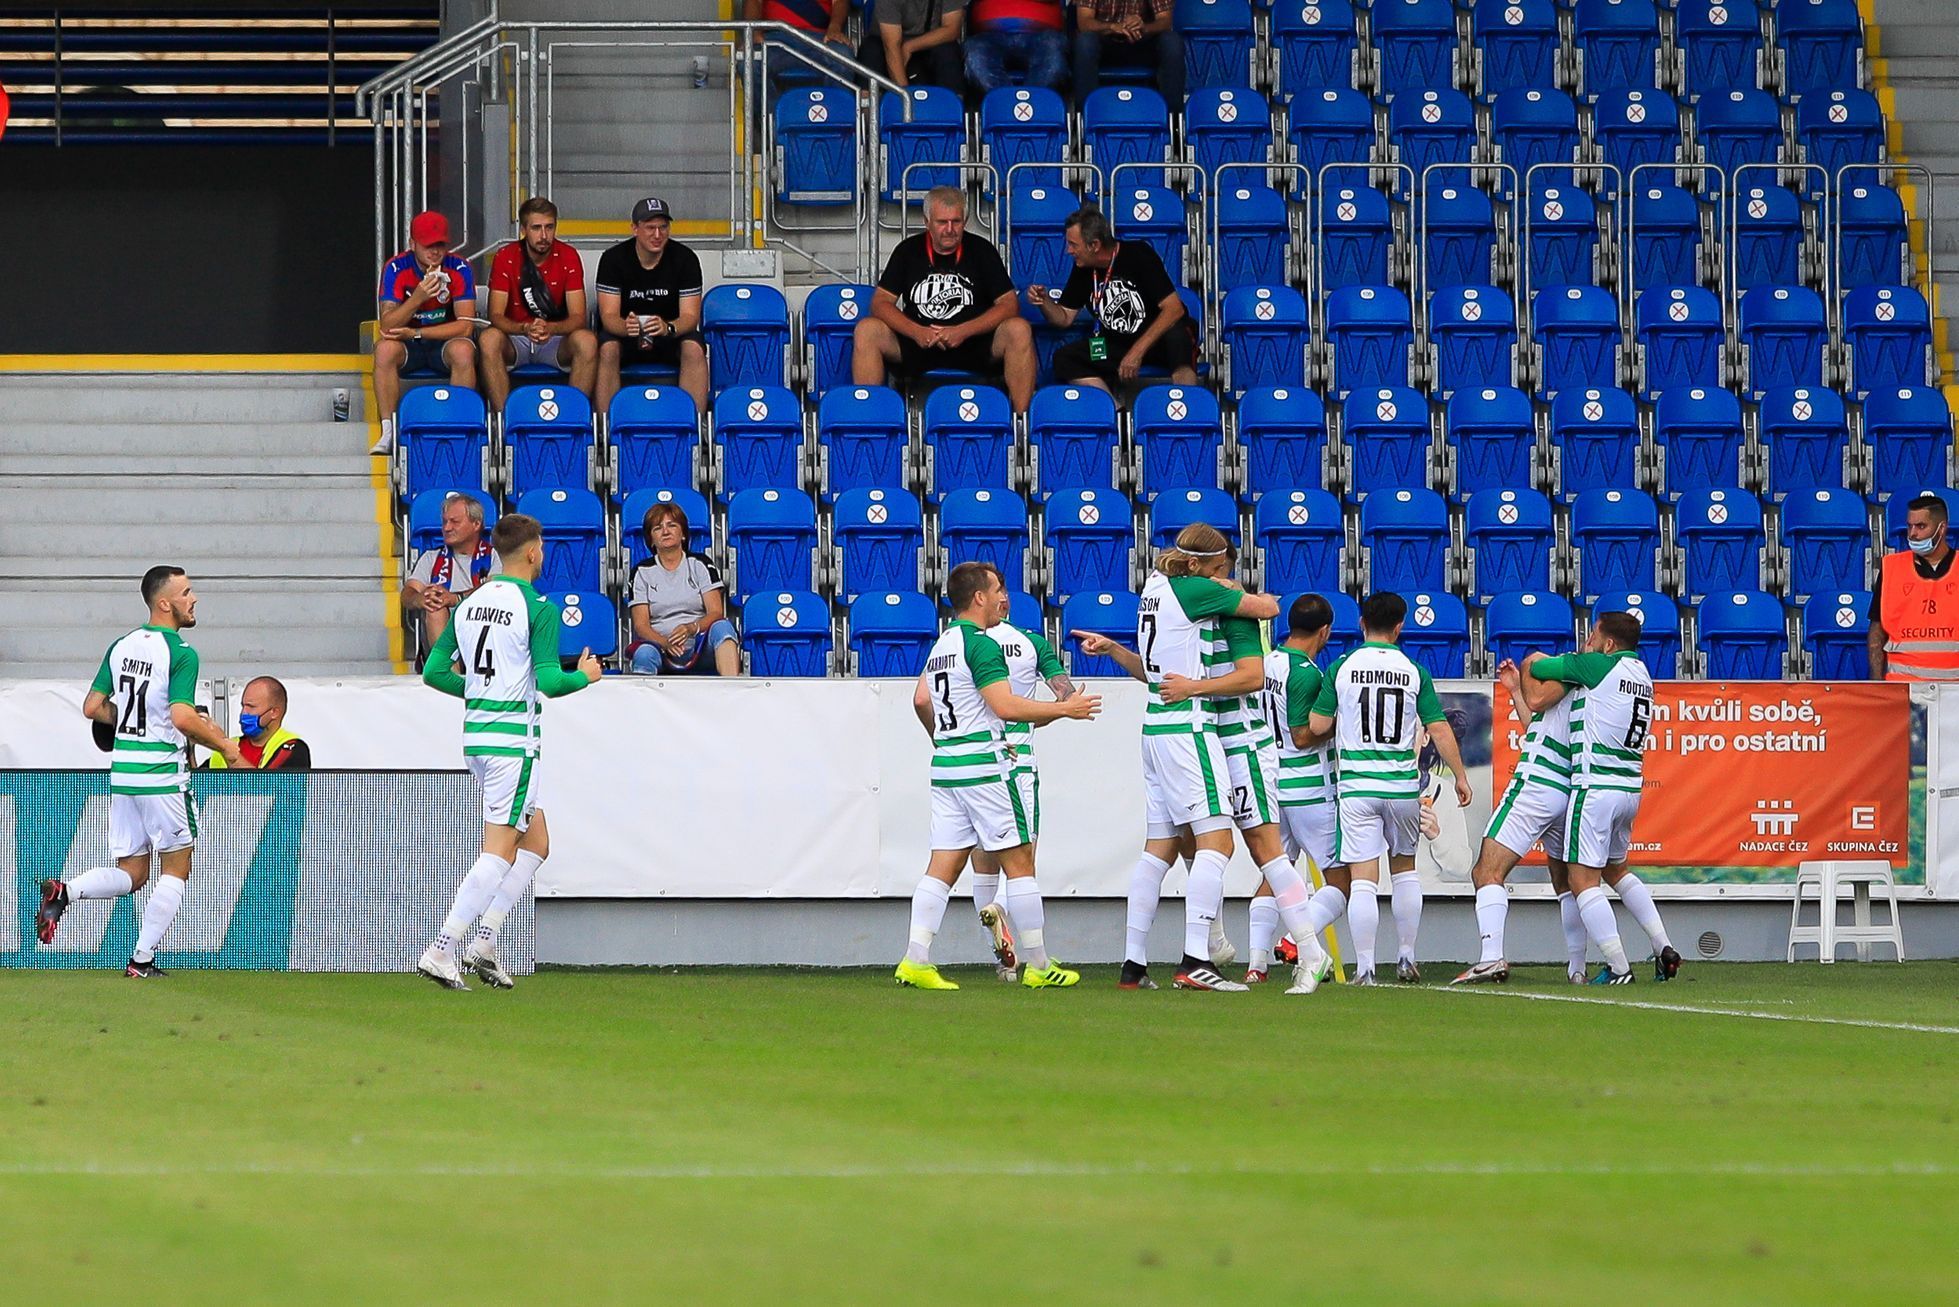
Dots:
pixel 1574 933
pixel 1029 918
pixel 165 898
pixel 986 888
pixel 510 892
pixel 1364 920
pixel 1220 942
pixel 927 915
pixel 1145 889
pixel 1265 931
pixel 1492 906
pixel 1596 911
pixel 101 883
pixel 472 896
pixel 1203 900
pixel 1638 899
pixel 1323 909
pixel 1294 904
pixel 1405 894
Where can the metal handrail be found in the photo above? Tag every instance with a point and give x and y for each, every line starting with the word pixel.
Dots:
pixel 1421 224
pixel 1316 233
pixel 1213 286
pixel 1628 288
pixel 1733 235
pixel 1526 321
pixel 1834 273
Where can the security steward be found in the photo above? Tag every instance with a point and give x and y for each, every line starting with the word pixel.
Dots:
pixel 263 736
pixel 1914 615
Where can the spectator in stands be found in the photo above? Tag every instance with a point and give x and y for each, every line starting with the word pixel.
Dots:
pixel 1914 613
pixel 918 41
pixel 1129 33
pixel 650 305
pixel 1009 37
pixel 1136 318
pixel 678 606
pixel 537 307
pixel 945 301
pixel 262 734
pixel 425 320
pixel 439 578
pixel 823 20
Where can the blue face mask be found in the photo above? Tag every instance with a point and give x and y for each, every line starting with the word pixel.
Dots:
pixel 248 723
pixel 1923 547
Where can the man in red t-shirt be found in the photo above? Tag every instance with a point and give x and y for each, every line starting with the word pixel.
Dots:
pixel 537 307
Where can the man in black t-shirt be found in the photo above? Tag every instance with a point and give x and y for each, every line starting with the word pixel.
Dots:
pixel 945 301
pixel 650 305
pixel 1135 317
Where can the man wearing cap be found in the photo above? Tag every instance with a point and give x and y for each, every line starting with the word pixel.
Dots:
pixel 537 307
pixel 262 734
pixel 650 305
pixel 1914 613
pixel 427 300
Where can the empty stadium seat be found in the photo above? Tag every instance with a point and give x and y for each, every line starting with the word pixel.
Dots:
pixel 1806 438
pixel 1173 510
pixel 1432 130
pixel 1227 124
pixel 1826 535
pixel 1767 239
pixel 1664 237
pixel 655 435
pixel 1700 438
pixel 1265 331
pixel 1532 126
pixel 1218 38
pixel 1369 331
pixel 1822 43
pixel 1737 127
pixel 443 433
pixel 1417 44
pixel 1525 622
pixel 1314 41
pixel 1253 231
pixel 985 526
pixel 1721 542
pixel 1074 439
pixel 548 431
pixel 1836 630
pixel 1743 635
pixel 1126 125
pixel 1179 438
pixel 1490 432
pixel 1517 45
pixel 936 134
pixel 1387 437
pixel 1300 536
pixel 1576 329
pixel 771 541
pixel 1282 433
pixel 1635 127
pixel 425 518
pixel 1327 128
pixel 1435 635
pixel 969 439
pixel 1616 537
pixel 1682 338
pixel 1594 441
pixel 830 318
pixel 1836 129
pixel 1024 611
pixel 1783 334
pixel 573 522
pixel 1659 618
pixel 1909 433
pixel 787 633
pixel 1023 125
pixel 746 330
pixel 891 632
pixel 1153 215
pixel 587 619
pixel 861 434
pixel 880 541
pixel 758 431
pixel 1405 538
pixel 1091 540
pixel 632 520
pixel 1037 227
pixel 1561 238
pixel 815 143
pixel 1510 536
pixel 1458 240
pixel 1104 612
pixel 1473 335
pixel 1876 250
pixel 1720 44
pixel 1356 237
pixel 1618 44
pixel 1888 334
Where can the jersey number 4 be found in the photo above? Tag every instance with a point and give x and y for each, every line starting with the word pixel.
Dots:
pixel 485 663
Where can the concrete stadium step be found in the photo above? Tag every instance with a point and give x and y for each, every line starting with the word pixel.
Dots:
pixel 272 503
pixel 205 564
pixel 213 540
pixel 219 644
pixel 264 398
pixel 245 445
pixel 101 605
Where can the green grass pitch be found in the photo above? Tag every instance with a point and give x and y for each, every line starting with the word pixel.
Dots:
pixel 796 1137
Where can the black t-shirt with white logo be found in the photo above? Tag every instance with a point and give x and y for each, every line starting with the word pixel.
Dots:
pixel 657 290
pixel 943 290
pixel 1125 298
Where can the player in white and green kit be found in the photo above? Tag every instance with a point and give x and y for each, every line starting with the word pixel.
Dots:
pixel 965 701
pixel 1306 807
pixel 145 693
pixel 504 636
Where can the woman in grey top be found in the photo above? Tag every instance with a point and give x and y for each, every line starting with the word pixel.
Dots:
pixel 678 604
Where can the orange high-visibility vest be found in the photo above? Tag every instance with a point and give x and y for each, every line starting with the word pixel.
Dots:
pixel 1921 622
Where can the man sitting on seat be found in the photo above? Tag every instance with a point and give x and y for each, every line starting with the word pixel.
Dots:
pixel 945 301
pixel 425 319
pixel 1136 318
pixel 537 307
pixel 1009 37
pixel 650 305
pixel 262 734
pixel 440 578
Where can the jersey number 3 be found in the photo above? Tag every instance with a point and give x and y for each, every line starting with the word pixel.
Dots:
pixel 948 720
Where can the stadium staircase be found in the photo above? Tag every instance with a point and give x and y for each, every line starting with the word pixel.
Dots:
pixel 1915 52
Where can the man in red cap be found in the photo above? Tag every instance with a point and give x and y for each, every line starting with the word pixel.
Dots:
pixel 427 303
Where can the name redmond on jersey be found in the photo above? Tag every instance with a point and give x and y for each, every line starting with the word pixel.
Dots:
pixel 1379 676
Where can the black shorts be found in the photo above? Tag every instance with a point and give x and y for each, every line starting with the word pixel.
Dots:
pixel 975 356
pixel 425 358
pixel 650 351
pixel 1173 349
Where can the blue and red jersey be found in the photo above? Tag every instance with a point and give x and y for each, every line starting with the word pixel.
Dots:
pixel 810 15
pixel 403 274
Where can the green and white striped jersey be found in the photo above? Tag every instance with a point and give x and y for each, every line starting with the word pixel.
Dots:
pixel 1611 700
pixel 1238 718
pixel 1544 754
pixel 505 635
pixel 1176 628
pixel 1031 663
pixel 1292 683
pixel 1378 698
pixel 143 674
pixel 968 737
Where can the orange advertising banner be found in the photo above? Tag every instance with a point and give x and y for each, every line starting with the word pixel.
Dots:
pixel 1762 774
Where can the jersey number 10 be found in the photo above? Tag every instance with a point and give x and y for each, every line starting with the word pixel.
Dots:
pixel 1376 725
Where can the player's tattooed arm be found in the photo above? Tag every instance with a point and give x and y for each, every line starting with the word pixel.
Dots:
pixel 1010 707
pixel 1063 687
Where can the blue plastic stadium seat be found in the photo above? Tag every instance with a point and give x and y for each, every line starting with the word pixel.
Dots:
pixel 1897 513
pixel 1665 236
pixel 655 434
pixel 1721 541
pixel 1744 636
pixel 1173 510
pixel 1023 125
pixel 1405 535
pixel 1838 128
pixel 1327 128
pixel 1459 246
pixel 1563 243
pixel 1356 235
pixel 1909 433
pixel 1889 333
pixel 1126 125
pixel 1531 126
pixel 1153 215
pixel 425 517
pixel 1617 41
pixel 830 318
pixel 444 436
pixel 1315 44
pixel 1282 433
pixel 1517 45
pixel 1436 634
pixel 586 620
pixel 985 526
pixel 880 536
pixel 548 430
pixel 1595 437
pixel 1253 231
pixel 746 329
pixel 1616 534
pixel 1217 36
pixel 1300 536
pixel 1074 438
pixel 935 134
pixel 1369 330
pixel 1701 439
pixel 1265 331
pixel 632 519
pixel 891 632
pixel 1736 127
pixel 1520 623
pixel 759 433
pixel 1822 43
pixel 815 135
pixel 1720 42
pixel 1836 629
pixel 1179 436
pixel 1510 535
pixel 1767 243
pixel 1871 223
pixel 861 433
pixel 1037 227
pixel 1473 330
pixel 1100 612
pixel 1826 535
pixel 1682 337
pixel 1659 618
pixel 1806 436
pixel 1025 611
pixel 1491 432
pixel 1091 540
pixel 787 633
pixel 772 541
pixel 1387 433
pixel 1432 130
pixel 573 522
pixel 1576 329
pixel 969 438
pixel 1783 330
pixel 1634 127
pixel 1227 124
pixel 1417 43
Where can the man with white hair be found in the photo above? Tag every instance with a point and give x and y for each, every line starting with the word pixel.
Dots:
pixel 439 578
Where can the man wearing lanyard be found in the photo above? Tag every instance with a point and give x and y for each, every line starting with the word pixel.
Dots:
pixel 1137 319
pixel 1914 614
pixel 441 577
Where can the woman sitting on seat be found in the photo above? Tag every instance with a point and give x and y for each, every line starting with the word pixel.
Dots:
pixel 679 606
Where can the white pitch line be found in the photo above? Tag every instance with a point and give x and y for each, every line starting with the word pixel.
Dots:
pixel 1493 992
